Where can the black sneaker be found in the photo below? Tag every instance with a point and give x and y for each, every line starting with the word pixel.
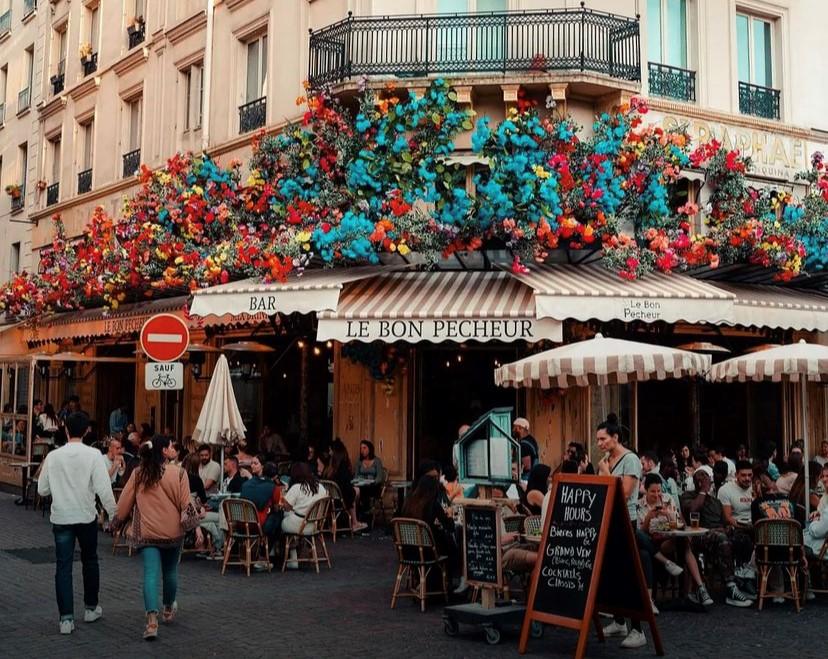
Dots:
pixel 736 597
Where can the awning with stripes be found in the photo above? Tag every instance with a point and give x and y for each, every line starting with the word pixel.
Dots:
pixel 586 292
pixel 254 300
pixel 777 307
pixel 437 306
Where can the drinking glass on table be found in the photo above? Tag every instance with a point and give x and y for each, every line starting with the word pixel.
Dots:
pixel 694 520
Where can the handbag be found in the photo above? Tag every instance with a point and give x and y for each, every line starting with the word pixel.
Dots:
pixel 190 516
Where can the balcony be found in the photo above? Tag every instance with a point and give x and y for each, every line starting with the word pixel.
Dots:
pixel 136 35
pixel 29 7
pixel 132 163
pixel 253 115
pixel 24 100
pixel 672 82
pixel 58 81
pixel 538 41
pixel 85 181
pixel 53 194
pixel 759 101
pixel 90 64
pixel 5 23
pixel 18 202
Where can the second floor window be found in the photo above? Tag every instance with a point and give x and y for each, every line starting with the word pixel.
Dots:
pixel 24 164
pixel 54 149
pixel 667 32
pixel 88 138
pixel 755 50
pixel 134 128
pixel 256 69
pixel 193 80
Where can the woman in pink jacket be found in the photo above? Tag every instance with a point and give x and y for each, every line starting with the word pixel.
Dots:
pixel 156 495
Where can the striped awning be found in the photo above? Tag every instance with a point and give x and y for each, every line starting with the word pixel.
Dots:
pixel 437 306
pixel 790 362
pixel 777 307
pixel 252 300
pixel 90 323
pixel 600 361
pixel 586 292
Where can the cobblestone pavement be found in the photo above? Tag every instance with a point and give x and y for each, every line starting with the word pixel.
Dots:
pixel 343 612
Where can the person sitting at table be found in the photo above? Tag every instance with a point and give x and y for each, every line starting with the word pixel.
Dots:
pixel 715 543
pixel 797 495
pixel 233 479
pixel 768 501
pixel 424 504
pixel 304 491
pixel 340 472
pixel 258 488
pixel 272 444
pixel 816 532
pixel 368 468
pixel 243 457
pixel 737 499
pixel 791 469
pixel 451 483
pixel 655 514
pixel 209 470
pixel 48 424
pixel 536 488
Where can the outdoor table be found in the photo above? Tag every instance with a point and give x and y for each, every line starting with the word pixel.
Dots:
pixel 402 488
pixel 683 535
pixel 24 468
pixel 362 482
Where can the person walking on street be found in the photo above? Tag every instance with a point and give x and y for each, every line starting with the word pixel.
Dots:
pixel 73 475
pixel 156 496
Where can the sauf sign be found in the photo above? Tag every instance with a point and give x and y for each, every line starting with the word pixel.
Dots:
pixel 164 338
pixel 164 376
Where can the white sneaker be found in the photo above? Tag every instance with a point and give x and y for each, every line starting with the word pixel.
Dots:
pixel 91 615
pixel 67 626
pixel 462 587
pixel 745 571
pixel 810 595
pixel 615 629
pixel 635 639
pixel 655 608
pixel 778 600
pixel 292 565
pixel 673 569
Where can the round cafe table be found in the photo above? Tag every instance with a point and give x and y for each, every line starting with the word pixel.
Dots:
pixel 685 532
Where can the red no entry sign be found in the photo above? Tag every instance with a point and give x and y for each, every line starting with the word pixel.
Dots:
pixel 164 337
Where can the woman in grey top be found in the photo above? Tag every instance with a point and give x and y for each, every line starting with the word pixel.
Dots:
pixel 368 467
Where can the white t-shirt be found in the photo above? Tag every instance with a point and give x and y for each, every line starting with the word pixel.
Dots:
pixel 731 468
pixel 49 425
pixel 301 501
pixel 108 464
pixel 210 472
pixel 73 475
pixel 730 494
pixel 821 460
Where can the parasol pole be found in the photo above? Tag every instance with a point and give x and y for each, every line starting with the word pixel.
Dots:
pixel 803 399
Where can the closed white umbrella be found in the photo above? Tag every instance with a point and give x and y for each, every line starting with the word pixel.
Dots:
pixel 798 362
pixel 220 422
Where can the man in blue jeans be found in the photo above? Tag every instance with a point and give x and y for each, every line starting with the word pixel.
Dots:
pixel 73 475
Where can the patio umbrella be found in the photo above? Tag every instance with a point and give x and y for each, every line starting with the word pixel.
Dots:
pixel 220 422
pixel 798 362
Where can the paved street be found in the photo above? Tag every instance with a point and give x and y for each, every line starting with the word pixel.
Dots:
pixel 339 613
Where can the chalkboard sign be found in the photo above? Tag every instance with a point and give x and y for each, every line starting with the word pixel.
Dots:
pixel 481 546
pixel 587 561
pixel 568 555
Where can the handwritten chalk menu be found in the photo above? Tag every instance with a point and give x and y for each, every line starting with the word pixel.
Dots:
pixel 587 561
pixel 482 544
pixel 568 555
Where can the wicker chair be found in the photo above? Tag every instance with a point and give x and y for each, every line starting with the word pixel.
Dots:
pixel 378 502
pixel 244 530
pixel 513 523
pixel 532 525
pixel 417 555
pixel 309 531
pixel 336 511
pixel 778 544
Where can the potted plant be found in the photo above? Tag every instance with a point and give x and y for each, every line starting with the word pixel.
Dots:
pixel 134 24
pixel 42 185
pixel 85 51
pixel 14 191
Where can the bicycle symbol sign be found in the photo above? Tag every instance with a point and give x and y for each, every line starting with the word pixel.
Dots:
pixel 166 376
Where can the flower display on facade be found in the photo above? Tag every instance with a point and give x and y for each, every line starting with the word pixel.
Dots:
pixel 345 186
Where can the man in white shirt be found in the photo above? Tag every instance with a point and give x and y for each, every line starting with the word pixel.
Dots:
pixel 73 475
pixel 822 458
pixel 699 462
pixel 718 455
pixel 737 497
pixel 114 459
pixel 209 470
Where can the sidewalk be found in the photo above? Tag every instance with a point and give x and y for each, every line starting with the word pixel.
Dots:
pixel 343 612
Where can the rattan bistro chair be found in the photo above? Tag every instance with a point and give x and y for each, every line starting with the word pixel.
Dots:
pixel 513 523
pixel 818 567
pixel 532 525
pixel 309 531
pixel 245 533
pixel 778 545
pixel 336 511
pixel 417 555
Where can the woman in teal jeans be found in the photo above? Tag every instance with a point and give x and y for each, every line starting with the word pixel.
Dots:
pixel 155 495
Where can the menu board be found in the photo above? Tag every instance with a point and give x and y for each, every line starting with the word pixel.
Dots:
pixel 481 547
pixel 569 550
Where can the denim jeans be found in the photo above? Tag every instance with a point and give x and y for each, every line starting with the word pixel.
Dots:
pixel 160 562
pixel 87 537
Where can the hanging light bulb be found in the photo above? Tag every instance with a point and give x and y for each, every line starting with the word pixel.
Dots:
pixel 300 344
pixel 329 344
pixel 317 350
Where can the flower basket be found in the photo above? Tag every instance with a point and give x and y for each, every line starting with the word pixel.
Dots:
pixel 13 191
pixel 41 185
pixel 134 24
pixel 85 51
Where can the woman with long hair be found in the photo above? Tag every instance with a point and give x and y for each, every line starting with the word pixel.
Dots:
pixel 341 472
pixel 304 491
pixel 424 504
pixel 156 495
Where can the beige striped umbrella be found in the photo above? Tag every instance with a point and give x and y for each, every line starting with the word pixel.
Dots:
pixel 798 362
pixel 601 361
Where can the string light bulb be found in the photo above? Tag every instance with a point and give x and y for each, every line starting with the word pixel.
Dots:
pixel 317 350
pixel 300 344
pixel 329 344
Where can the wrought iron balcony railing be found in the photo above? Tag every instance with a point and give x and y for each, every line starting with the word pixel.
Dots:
pixel 58 81
pixel 132 163
pixel 24 99
pixel 53 194
pixel 29 7
pixel 486 42
pixel 758 101
pixel 253 115
pixel 672 82
pixel 136 35
pixel 84 181
pixel 5 23
pixel 18 202
pixel 90 64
